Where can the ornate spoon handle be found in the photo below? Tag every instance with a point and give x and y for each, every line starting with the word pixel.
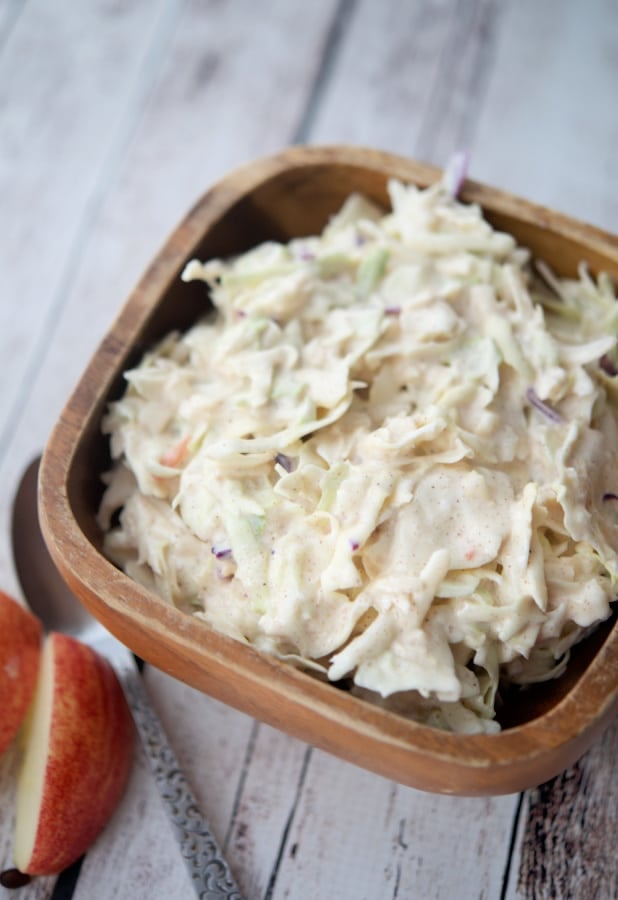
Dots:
pixel 209 872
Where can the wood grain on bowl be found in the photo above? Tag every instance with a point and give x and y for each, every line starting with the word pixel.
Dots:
pixel 288 195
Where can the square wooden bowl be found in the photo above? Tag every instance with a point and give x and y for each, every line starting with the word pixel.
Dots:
pixel 545 728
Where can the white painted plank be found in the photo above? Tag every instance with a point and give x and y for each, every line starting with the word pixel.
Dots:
pixel 382 81
pixel 267 796
pixel 548 126
pixel 528 88
pixel 244 775
pixel 396 832
pixel 408 77
pixel 204 116
pixel 9 13
pixel 356 836
pixel 67 84
pixel 210 740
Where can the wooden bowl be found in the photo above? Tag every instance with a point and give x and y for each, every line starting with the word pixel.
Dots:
pixel 545 728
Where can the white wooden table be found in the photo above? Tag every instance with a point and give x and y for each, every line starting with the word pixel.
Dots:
pixel 114 117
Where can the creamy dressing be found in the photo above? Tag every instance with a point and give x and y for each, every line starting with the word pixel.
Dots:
pixel 390 455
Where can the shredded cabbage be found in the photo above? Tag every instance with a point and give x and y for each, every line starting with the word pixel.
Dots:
pixel 389 455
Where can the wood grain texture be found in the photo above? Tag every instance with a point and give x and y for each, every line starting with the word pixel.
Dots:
pixel 9 13
pixel 51 68
pixel 380 89
pixel 545 129
pixel 564 850
pixel 245 772
pixel 302 817
pixel 398 839
pixel 420 91
pixel 524 87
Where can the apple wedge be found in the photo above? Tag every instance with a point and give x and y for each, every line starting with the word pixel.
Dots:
pixel 79 741
pixel 20 652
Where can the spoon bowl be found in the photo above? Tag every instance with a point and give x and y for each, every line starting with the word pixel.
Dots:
pixel 48 594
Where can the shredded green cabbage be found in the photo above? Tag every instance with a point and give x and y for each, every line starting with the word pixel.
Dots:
pixel 390 455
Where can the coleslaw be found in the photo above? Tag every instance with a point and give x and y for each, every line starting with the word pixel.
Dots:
pixel 387 455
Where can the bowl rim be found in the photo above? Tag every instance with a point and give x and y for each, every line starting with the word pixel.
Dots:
pixel 570 725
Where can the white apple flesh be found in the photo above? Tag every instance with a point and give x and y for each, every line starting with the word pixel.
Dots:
pixel 20 651
pixel 79 741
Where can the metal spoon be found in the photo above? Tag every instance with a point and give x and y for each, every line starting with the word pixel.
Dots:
pixel 51 599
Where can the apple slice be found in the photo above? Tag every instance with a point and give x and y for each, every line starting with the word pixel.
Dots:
pixel 20 652
pixel 78 753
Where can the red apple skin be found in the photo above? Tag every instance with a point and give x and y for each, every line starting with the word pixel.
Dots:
pixel 20 652
pixel 90 752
